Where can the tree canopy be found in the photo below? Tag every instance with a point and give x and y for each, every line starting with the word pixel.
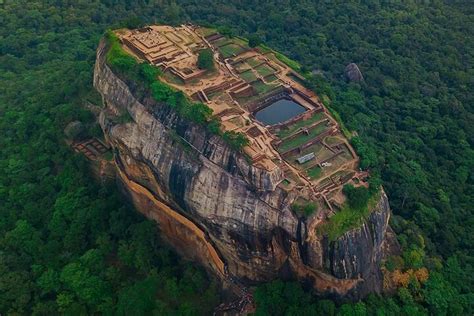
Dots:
pixel 206 59
pixel 70 245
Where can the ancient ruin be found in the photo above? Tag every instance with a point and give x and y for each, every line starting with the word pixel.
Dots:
pixel 253 92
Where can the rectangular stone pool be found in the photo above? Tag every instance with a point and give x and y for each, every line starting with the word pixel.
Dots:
pixel 279 111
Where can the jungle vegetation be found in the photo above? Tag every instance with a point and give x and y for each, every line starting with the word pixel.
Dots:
pixel 70 245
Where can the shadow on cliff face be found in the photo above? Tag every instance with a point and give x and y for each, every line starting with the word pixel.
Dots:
pixel 251 241
pixel 180 176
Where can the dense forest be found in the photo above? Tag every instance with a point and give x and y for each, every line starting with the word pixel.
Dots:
pixel 70 245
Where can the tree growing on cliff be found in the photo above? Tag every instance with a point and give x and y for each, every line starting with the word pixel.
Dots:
pixel 205 59
pixel 149 72
pixel 200 112
pixel 235 140
pixel 116 56
pixel 306 209
pixel 357 198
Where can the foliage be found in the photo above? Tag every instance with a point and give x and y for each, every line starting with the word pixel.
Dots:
pixel 414 110
pixel 279 298
pixel 116 56
pixel 352 215
pixel 206 59
pixel 67 244
pixel 347 134
pixel 306 209
pixel 149 72
pixel 284 59
pixel 236 140
pixel 344 220
pixel 254 40
pixel 368 157
pixel 225 30
pixel 357 197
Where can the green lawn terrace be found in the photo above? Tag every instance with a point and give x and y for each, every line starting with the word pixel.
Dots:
pixel 283 132
pixel 253 76
pixel 331 161
pixel 227 47
pixel 327 159
pixel 230 49
pixel 304 137
pixel 256 70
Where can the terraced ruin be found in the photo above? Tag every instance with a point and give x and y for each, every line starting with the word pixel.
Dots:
pixel 254 92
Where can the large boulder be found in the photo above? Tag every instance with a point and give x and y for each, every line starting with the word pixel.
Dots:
pixel 353 73
pixel 74 130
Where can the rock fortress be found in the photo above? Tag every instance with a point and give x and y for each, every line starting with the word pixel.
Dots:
pixel 253 214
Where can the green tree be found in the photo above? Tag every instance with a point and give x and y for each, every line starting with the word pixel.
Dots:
pixel 254 40
pixel 206 59
pixel 357 196
pixel 440 295
pixel 236 140
pixel 89 288
pixel 139 298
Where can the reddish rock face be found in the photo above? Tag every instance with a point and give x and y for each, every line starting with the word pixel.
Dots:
pixel 215 208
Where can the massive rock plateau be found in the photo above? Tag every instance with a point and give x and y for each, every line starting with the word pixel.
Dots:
pixel 215 208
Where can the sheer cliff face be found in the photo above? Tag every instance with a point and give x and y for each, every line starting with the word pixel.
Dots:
pixel 215 208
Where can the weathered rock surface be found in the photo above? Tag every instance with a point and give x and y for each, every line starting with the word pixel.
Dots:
pixel 214 207
pixel 353 73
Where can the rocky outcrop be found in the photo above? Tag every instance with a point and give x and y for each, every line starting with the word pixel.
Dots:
pixel 358 253
pixel 74 130
pixel 353 73
pixel 216 208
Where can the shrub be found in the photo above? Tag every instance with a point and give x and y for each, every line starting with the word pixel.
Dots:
pixel 375 183
pixel 213 126
pixel 226 31
pixel 200 112
pixel 254 40
pixel 344 220
pixel 149 73
pixel 117 58
pixel 368 157
pixel 305 209
pixel 357 209
pixel 160 91
pixel 235 140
